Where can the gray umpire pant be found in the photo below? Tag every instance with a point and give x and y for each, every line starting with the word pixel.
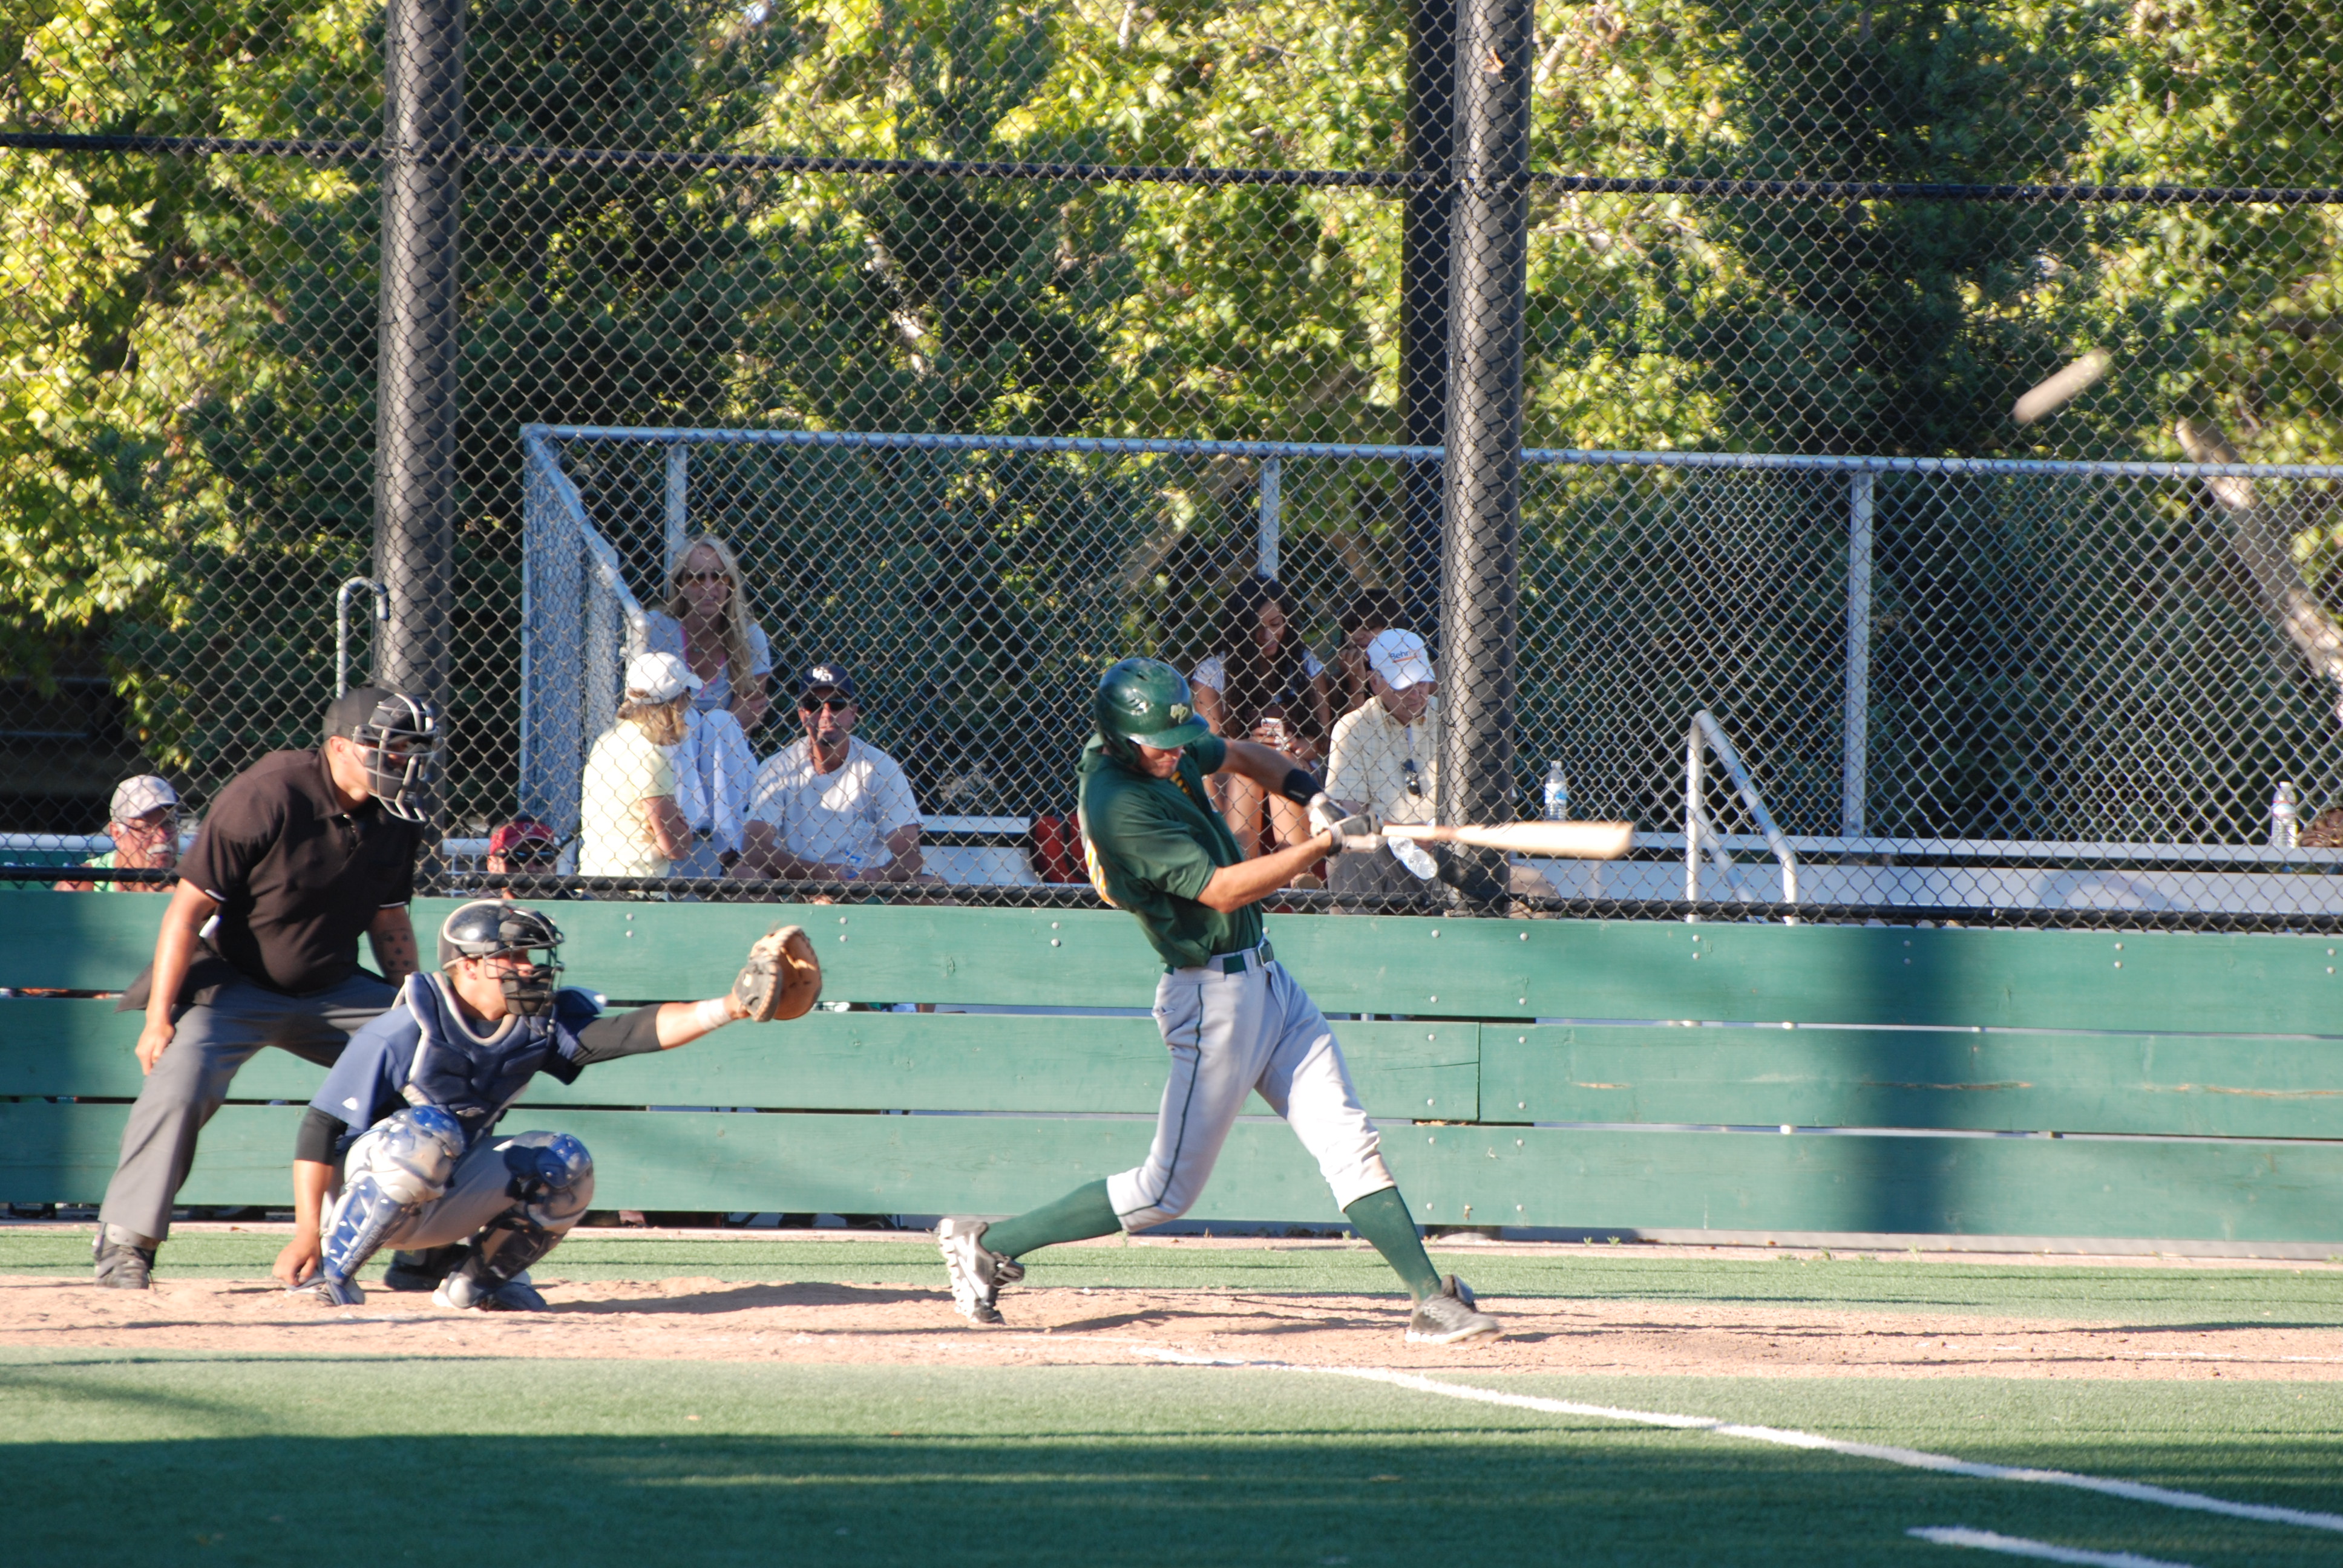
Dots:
pixel 190 1082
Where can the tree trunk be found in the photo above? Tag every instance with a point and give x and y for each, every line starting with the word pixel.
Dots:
pixel 2262 547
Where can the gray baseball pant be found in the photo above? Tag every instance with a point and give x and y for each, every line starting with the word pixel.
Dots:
pixel 190 1080
pixel 479 1190
pixel 1235 1026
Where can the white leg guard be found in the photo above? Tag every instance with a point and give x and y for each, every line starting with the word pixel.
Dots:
pixel 402 1163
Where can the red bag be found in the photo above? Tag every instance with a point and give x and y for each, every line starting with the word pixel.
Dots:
pixel 1053 852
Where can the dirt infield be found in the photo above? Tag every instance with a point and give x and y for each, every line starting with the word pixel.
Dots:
pixel 913 1324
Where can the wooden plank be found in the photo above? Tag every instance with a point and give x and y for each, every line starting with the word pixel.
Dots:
pixel 2203 1189
pixel 825 1061
pixel 2194 1188
pixel 2201 1085
pixel 1619 970
pixel 76 941
pixel 948 1061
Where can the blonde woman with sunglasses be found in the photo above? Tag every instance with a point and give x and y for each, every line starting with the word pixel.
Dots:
pixel 705 620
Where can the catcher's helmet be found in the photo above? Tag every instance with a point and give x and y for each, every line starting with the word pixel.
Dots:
pixel 1145 702
pixel 486 928
pixel 398 737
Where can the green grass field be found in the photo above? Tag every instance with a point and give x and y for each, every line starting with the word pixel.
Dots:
pixel 210 1459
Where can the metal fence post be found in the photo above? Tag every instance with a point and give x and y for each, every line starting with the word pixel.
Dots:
pixel 1483 493
pixel 1424 288
pixel 415 379
pixel 1857 761
pixel 678 503
pixel 1272 499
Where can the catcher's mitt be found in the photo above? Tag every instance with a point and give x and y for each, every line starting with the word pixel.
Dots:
pixel 782 978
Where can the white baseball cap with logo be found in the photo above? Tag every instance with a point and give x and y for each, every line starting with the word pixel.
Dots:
pixel 660 677
pixel 134 798
pixel 1400 657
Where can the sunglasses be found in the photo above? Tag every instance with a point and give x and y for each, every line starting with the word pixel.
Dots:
pixel 701 577
pixel 1414 778
pixel 532 855
pixel 827 705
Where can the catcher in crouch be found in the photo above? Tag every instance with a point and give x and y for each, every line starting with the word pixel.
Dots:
pixel 402 1137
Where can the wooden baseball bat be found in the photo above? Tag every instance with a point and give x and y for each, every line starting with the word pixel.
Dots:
pixel 1573 840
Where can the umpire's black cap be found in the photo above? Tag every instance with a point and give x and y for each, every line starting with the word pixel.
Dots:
pixel 353 708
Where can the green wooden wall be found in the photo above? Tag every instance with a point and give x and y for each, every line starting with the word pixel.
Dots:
pixel 2194 1082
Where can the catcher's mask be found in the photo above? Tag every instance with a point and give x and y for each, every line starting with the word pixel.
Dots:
pixel 398 739
pixel 489 927
pixel 1145 702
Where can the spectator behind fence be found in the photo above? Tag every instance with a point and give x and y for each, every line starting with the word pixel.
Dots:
pixel 714 772
pixel 628 822
pixel 144 826
pixel 1370 611
pixel 524 847
pixel 706 621
pixel 1260 684
pixel 1384 758
pixel 830 808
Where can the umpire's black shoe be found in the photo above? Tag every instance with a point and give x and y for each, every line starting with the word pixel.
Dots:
pixel 123 1267
pixel 422 1271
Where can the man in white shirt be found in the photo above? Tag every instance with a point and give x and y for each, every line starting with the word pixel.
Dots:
pixel 1385 758
pixel 828 808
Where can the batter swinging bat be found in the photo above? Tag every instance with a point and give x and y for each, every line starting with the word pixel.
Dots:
pixel 1572 841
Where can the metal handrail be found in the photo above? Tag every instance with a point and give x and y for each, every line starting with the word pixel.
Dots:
pixel 1705 731
pixel 381 595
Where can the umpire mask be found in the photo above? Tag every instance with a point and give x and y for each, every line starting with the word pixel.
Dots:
pixel 398 739
pixel 491 928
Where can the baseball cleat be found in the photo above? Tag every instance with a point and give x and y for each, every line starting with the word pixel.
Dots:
pixel 332 1292
pixel 460 1292
pixel 421 1270
pixel 123 1267
pixel 977 1272
pixel 1448 1317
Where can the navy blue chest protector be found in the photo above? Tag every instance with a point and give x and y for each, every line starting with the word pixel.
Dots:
pixel 473 1079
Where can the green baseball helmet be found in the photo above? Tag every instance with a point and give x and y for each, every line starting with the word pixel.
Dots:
pixel 1146 702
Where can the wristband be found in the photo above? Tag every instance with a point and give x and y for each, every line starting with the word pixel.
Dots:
pixel 1299 788
pixel 712 1014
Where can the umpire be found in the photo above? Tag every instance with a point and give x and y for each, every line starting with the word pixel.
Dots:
pixel 299 853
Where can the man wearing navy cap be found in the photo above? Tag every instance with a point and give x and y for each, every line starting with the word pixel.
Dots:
pixel 828 808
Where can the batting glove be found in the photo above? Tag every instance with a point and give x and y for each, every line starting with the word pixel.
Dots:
pixel 1351 829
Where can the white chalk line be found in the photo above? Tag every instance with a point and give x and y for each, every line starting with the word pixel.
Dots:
pixel 2019 1546
pixel 1911 1458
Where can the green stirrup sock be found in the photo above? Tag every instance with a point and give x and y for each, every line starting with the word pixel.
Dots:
pixel 1084 1212
pixel 1382 1219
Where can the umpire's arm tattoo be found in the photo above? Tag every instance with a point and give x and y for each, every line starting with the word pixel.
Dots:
pixel 393 935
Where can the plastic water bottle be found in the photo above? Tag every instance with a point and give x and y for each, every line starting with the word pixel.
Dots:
pixel 1557 793
pixel 2285 820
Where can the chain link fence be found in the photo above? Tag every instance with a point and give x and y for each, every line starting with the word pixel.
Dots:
pixel 1649 360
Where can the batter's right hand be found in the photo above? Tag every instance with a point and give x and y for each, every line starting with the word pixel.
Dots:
pixel 152 1041
pixel 298 1261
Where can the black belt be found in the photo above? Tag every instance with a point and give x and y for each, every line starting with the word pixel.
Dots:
pixel 1234 963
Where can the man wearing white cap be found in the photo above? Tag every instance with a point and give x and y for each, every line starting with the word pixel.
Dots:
pixel 1385 758
pixel 145 828
pixel 628 822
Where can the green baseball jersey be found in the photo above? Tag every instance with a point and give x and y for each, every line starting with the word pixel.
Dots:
pixel 1151 844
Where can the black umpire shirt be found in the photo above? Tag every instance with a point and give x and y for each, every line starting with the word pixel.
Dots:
pixel 298 878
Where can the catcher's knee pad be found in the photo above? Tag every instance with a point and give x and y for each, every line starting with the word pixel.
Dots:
pixel 398 1166
pixel 552 1180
